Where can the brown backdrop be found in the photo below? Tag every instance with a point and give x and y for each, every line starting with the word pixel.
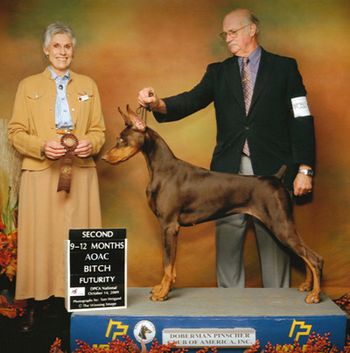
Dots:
pixel 125 46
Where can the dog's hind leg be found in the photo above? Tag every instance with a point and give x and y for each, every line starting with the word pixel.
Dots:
pixel 285 232
pixel 277 215
pixel 170 232
pixel 315 263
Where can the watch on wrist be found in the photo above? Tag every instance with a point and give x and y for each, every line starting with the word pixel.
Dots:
pixel 306 171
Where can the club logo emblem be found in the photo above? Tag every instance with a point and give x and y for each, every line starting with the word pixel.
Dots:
pixel 144 331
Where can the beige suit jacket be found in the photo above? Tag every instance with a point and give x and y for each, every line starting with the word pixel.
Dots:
pixel 33 119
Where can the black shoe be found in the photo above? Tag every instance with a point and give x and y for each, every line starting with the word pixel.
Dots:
pixel 55 309
pixel 30 320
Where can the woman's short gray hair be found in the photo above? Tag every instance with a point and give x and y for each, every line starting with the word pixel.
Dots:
pixel 57 28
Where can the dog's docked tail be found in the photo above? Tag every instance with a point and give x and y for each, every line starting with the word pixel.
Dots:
pixel 281 172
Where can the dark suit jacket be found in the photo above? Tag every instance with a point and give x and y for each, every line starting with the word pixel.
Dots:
pixel 274 136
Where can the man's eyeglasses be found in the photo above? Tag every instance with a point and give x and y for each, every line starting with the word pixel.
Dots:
pixel 231 32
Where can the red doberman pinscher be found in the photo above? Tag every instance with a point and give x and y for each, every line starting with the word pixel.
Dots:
pixel 181 194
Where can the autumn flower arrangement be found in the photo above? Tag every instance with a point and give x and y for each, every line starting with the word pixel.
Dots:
pixel 8 242
pixel 10 168
pixel 316 343
pixel 344 303
pixel 127 345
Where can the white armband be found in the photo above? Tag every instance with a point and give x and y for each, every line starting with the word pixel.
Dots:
pixel 300 107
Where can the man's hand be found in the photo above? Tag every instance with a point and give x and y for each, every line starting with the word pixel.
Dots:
pixel 148 98
pixel 302 184
pixel 53 150
pixel 84 149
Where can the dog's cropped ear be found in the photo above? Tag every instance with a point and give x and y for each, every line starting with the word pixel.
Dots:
pixel 137 123
pixel 128 122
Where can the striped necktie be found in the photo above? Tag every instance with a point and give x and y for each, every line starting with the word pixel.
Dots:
pixel 247 86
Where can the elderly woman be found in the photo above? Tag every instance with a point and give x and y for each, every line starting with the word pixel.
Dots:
pixel 48 105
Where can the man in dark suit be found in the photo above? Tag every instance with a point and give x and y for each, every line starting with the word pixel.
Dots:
pixel 263 122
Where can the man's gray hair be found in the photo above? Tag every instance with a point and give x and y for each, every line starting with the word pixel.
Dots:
pixel 57 28
pixel 254 20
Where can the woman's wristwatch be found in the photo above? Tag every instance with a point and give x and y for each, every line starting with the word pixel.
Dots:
pixel 306 171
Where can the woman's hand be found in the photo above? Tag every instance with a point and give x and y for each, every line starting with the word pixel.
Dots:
pixel 84 149
pixel 53 150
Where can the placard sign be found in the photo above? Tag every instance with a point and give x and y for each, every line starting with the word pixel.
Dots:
pixel 96 269
pixel 210 337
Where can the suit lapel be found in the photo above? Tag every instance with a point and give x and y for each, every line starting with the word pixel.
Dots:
pixel 233 79
pixel 262 77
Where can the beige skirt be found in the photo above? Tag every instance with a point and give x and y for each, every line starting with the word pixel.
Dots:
pixel 44 219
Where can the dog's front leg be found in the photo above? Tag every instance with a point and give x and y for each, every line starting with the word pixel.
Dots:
pixel 170 232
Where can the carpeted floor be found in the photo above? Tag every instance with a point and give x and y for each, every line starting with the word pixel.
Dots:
pixel 39 341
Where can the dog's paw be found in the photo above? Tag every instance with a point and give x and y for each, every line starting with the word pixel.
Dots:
pixel 156 289
pixel 160 292
pixel 157 298
pixel 313 298
pixel 305 287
